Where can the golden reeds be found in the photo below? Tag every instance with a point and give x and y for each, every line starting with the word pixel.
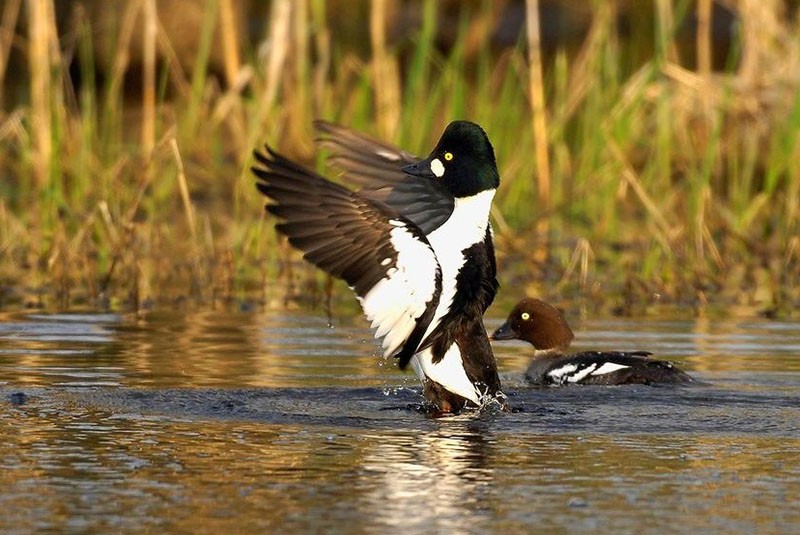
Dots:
pixel 275 51
pixel 150 23
pixel 230 41
pixel 111 112
pixel 322 49
pixel 666 31
pixel 183 186
pixel 7 24
pixel 538 108
pixel 41 63
pixel 386 82
pixel 539 115
pixel 661 174
pixel 704 10
pixel 629 175
pixel 296 85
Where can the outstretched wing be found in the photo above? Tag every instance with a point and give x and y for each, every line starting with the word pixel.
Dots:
pixel 367 162
pixel 384 257
pixel 376 168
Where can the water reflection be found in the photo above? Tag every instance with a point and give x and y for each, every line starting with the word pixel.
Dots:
pixel 77 462
pixel 191 349
pixel 431 481
pixel 300 350
pixel 208 422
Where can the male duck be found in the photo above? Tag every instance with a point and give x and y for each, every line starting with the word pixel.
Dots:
pixel 544 326
pixel 413 242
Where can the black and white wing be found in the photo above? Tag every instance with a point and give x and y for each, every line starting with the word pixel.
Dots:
pixel 384 257
pixel 614 368
pixel 376 169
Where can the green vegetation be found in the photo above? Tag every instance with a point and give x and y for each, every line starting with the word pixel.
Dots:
pixel 664 185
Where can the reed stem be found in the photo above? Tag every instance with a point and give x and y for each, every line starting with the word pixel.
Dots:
pixel 538 109
pixel 41 111
pixel 704 37
pixel 7 25
pixel 150 22
pixel 230 40
pixel 278 43
pixel 384 72
pixel 188 209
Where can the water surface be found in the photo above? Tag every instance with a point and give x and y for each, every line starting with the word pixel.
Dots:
pixel 217 421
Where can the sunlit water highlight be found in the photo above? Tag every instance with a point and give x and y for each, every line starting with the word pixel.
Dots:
pixel 221 422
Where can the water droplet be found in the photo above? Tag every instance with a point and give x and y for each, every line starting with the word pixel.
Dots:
pixel 577 502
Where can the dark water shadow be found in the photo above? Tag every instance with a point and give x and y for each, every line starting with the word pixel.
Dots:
pixel 772 410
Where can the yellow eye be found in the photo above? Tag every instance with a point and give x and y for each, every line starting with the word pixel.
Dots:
pixel 525 316
pixel 448 156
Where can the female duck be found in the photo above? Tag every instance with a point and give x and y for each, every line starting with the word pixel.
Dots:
pixel 544 326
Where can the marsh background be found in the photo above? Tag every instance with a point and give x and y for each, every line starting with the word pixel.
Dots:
pixel 168 364
pixel 647 149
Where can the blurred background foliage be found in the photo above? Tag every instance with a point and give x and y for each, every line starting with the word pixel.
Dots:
pixel 648 150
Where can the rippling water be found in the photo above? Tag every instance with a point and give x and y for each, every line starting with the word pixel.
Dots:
pixel 220 422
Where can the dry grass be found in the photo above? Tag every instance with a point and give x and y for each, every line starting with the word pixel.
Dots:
pixel 626 187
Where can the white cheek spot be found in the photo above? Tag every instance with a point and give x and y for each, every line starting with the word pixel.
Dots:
pixel 437 167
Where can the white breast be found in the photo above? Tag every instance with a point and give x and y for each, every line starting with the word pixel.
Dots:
pixel 465 227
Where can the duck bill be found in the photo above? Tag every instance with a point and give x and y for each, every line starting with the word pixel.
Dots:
pixel 504 332
pixel 421 169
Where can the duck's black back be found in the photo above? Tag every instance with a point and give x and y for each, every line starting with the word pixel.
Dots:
pixel 604 368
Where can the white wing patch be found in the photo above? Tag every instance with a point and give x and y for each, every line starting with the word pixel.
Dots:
pixel 568 373
pixel 609 367
pixel 574 373
pixel 394 304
